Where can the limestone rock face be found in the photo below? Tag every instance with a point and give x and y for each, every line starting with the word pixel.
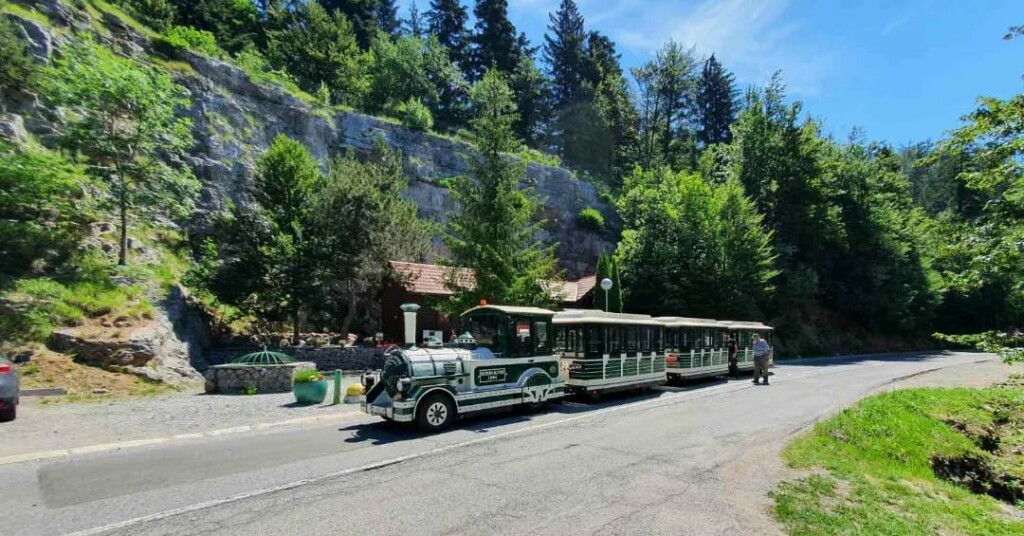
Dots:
pixel 236 120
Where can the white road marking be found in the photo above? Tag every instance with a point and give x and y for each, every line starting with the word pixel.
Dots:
pixel 666 399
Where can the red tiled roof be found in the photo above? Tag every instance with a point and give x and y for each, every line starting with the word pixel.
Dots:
pixel 429 279
pixel 574 291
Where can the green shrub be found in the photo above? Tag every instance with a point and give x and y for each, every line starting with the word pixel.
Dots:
pixel 157 14
pixel 307 376
pixel 188 38
pixel 37 306
pixel 538 157
pixel 590 218
pixel 415 115
pixel 256 66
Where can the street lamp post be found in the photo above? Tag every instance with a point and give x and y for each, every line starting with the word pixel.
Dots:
pixel 606 285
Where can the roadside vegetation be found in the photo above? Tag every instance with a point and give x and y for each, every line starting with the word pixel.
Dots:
pixel 921 461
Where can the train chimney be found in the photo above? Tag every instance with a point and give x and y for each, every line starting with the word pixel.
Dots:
pixel 409 311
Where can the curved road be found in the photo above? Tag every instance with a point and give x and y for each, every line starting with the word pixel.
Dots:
pixel 689 460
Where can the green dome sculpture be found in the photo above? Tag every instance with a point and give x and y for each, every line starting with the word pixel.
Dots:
pixel 263 357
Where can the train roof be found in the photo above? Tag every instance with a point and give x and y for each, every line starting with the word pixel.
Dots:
pixel 757 326
pixel 512 310
pixel 596 316
pixel 687 322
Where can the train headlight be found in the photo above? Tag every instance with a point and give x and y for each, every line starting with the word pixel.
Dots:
pixel 404 385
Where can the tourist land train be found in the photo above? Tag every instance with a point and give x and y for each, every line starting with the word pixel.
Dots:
pixel 528 356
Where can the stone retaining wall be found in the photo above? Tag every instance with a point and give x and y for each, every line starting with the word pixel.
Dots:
pixel 326 358
pixel 235 379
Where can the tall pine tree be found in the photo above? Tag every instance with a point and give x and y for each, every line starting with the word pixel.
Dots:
pixel 363 14
pixel 716 104
pixel 387 17
pixel 495 43
pixel 414 24
pixel 446 20
pixel 565 53
pixel 494 233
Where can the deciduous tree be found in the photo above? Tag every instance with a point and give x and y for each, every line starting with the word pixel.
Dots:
pixel 123 117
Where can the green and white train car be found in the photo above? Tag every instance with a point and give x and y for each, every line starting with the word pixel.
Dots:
pixel 698 347
pixel 504 358
pixel 604 352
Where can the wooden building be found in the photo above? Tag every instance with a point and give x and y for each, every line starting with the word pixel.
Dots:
pixel 425 285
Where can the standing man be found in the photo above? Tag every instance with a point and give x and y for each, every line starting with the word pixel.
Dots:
pixel 734 350
pixel 761 354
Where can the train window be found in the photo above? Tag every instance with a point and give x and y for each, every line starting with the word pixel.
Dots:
pixel 632 339
pixel 647 339
pixel 521 339
pixel 560 339
pixel 614 340
pixel 595 340
pixel 670 339
pixel 659 339
pixel 540 333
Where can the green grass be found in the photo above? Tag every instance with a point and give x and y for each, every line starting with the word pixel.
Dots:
pixel 106 7
pixel 878 477
pixel 27 13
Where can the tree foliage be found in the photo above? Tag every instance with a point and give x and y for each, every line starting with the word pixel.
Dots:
pixel 494 232
pixel 692 247
pixel 122 116
pixel 314 248
pixel 318 48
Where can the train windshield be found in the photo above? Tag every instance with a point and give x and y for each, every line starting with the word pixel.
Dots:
pixel 485 329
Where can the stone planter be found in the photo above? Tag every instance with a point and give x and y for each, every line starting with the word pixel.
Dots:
pixel 310 392
pixel 235 379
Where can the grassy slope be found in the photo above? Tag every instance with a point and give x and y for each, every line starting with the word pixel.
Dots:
pixel 877 476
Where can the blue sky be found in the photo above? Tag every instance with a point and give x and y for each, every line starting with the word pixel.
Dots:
pixel 903 70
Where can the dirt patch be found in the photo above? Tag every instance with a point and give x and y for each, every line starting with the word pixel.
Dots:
pixel 49 369
pixel 995 468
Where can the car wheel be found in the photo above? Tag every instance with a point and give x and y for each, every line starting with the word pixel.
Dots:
pixel 435 413
pixel 8 414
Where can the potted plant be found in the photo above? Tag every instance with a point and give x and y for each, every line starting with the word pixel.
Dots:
pixel 309 387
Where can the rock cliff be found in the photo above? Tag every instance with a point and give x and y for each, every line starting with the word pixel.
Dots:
pixel 235 120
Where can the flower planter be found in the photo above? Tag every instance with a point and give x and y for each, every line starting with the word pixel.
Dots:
pixel 310 392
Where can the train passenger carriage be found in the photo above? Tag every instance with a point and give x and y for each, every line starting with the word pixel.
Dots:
pixel 604 352
pixel 503 358
pixel 698 347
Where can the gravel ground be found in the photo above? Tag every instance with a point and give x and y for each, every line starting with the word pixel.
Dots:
pixel 973 375
pixel 69 425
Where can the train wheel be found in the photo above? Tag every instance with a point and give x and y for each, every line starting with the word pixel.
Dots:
pixel 436 413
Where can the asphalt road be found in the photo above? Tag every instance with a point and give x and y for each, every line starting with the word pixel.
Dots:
pixel 686 460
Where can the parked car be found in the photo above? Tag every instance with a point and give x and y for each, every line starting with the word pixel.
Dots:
pixel 9 388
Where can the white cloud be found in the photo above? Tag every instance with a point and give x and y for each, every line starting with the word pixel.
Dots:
pixel 754 38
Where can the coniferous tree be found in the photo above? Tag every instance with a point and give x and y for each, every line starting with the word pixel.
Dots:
pixel 446 20
pixel 235 24
pixel 565 52
pixel 495 43
pixel 532 95
pixel 363 15
pixel 318 48
pixel 414 24
pixel 494 233
pixel 387 17
pixel 716 104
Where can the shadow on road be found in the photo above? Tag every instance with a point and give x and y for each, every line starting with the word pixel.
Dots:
pixel 848 360
pixel 384 432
